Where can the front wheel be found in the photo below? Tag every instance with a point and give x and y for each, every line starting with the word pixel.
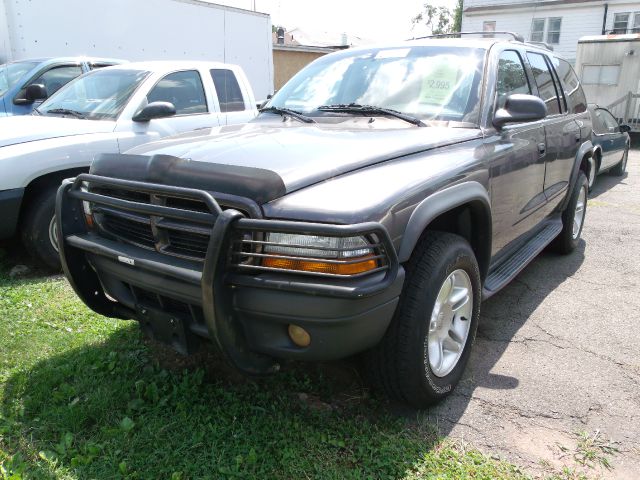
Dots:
pixel 39 229
pixel 593 172
pixel 422 356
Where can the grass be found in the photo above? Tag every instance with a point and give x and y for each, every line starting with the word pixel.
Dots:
pixel 83 396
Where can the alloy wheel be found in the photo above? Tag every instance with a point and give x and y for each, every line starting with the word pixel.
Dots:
pixel 450 323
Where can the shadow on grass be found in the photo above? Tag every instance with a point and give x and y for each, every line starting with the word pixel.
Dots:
pixel 113 410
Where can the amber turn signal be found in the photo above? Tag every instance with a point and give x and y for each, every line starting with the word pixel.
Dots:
pixel 364 265
pixel 299 336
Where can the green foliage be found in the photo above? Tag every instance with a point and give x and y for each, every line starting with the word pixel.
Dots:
pixel 438 19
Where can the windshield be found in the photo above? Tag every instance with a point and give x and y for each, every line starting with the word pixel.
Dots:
pixel 11 73
pixel 97 95
pixel 427 82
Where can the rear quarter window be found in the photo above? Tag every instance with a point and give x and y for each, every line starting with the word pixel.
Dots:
pixel 576 100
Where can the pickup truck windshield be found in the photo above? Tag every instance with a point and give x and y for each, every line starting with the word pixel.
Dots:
pixel 10 73
pixel 425 82
pixel 97 95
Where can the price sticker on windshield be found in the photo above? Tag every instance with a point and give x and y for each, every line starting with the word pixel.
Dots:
pixel 438 84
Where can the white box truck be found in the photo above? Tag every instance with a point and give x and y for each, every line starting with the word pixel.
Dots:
pixel 140 30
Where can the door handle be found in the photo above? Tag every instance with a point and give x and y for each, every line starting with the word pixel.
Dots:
pixel 542 148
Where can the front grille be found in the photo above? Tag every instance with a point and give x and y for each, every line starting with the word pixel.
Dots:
pixel 181 238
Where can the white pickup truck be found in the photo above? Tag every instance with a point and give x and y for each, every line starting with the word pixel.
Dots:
pixel 105 111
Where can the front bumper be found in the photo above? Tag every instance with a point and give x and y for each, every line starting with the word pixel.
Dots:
pixel 181 302
pixel 10 202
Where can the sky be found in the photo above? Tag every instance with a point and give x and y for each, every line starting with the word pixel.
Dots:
pixel 376 20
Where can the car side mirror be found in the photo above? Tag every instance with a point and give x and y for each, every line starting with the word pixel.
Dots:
pixel 520 108
pixel 262 103
pixel 624 128
pixel 155 110
pixel 33 92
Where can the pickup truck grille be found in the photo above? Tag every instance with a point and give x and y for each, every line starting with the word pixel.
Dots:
pixel 180 238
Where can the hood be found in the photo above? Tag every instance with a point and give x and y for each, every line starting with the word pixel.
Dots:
pixel 302 154
pixel 30 128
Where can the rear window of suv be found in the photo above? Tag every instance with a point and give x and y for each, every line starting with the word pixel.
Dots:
pixel 545 82
pixel 576 101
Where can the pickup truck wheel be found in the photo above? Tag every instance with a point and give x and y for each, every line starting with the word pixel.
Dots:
pixel 573 217
pixel 426 348
pixel 621 167
pixel 39 229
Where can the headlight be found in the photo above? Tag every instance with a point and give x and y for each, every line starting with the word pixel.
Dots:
pixel 320 254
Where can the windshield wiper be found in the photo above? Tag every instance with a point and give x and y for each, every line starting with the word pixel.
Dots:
pixel 288 111
pixel 357 108
pixel 66 111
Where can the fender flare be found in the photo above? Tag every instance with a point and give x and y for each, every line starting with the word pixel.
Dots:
pixel 585 148
pixel 441 202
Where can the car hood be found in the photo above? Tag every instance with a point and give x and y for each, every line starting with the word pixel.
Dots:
pixel 30 128
pixel 300 154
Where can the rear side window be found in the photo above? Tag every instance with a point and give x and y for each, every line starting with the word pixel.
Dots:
pixel 228 89
pixel 58 77
pixel 576 101
pixel 183 89
pixel 511 77
pixel 544 81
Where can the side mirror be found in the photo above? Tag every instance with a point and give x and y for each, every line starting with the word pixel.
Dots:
pixel 262 103
pixel 155 110
pixel 520 108
pixel 33 92
pixel 624 128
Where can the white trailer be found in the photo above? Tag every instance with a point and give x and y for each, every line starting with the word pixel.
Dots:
pixel 609 68
pixel 140 30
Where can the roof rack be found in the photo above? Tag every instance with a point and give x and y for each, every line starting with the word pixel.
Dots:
pixel 541 44
pixel 516 36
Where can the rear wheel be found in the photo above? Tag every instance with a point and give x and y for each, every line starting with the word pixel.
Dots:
pixel 39 229
pixel 573 217
pixel 427 346
pixel 621 167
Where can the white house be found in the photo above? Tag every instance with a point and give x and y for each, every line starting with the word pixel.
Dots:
pixel 556 22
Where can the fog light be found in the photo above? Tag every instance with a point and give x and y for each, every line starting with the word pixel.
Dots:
pixel 299 336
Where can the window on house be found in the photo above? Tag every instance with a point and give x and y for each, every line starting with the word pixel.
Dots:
pixel 621 22
pixel 489 27
pixel 537 30
pixel 553 30
pixel 636 23
pixel 600 74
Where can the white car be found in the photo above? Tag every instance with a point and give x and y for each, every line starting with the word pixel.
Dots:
pixel 105 111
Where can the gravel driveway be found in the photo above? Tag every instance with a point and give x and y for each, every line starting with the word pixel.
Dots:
pixel 558 351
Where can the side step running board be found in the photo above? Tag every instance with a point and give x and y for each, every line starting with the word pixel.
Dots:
pixel 508 269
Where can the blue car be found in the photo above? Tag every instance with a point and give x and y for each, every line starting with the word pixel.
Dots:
pixel 610 144
pixel 26 83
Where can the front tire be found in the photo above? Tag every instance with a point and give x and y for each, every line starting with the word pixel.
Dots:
pixel 573 217
pixel 39 229
pixel 422 356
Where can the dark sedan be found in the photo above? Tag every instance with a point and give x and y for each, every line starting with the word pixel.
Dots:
pixel 610 144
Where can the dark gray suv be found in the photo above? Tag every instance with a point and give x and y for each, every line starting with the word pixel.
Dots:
pixel 380 196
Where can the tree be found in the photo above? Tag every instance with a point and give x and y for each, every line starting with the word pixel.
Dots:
pixel 440 19
pixel 457 17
